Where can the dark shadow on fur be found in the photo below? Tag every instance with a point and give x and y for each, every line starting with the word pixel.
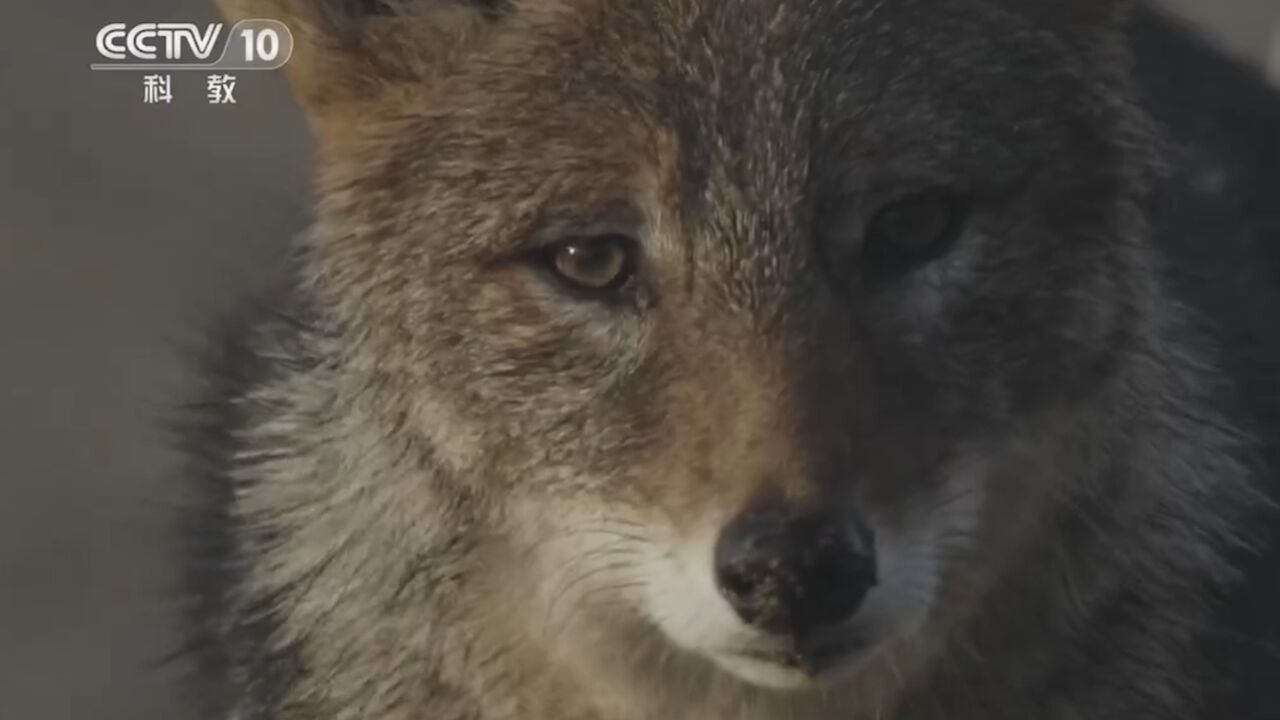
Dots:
pixel 1217 220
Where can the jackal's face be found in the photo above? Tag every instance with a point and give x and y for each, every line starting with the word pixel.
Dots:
pixel 729 316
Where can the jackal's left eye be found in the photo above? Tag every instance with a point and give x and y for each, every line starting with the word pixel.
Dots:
pixel 597 265
pixel 913 230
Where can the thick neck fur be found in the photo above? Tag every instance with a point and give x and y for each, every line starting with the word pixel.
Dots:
pixel 388 594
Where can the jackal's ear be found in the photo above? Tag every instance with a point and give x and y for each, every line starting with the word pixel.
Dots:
pixel 350 50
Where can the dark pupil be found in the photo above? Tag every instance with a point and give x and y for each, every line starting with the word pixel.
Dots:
pixel 912 230
pixel 593 264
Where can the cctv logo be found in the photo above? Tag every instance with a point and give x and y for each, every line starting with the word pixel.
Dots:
pixel 158 41
pixel 251 44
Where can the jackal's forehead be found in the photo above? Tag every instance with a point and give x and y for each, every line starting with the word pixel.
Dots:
pixel 742 105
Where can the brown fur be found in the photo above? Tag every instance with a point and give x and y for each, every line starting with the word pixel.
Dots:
pixel 461 493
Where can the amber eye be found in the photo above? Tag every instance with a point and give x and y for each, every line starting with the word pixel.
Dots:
pixel 914 230
pixel 599 264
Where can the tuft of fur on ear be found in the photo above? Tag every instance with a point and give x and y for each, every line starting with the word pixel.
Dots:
pixel 348 51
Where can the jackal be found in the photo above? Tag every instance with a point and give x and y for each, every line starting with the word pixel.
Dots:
pixel 816 359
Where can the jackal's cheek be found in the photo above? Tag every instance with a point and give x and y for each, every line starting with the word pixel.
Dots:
pixel 916 549
pixel 681 598
pixel 906 590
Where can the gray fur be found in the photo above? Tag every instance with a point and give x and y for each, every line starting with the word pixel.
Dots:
pixel 453 481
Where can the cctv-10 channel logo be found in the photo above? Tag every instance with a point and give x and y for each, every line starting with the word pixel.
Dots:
pixel 159 49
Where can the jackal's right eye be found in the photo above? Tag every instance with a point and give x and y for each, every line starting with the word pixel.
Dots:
pixel 596 265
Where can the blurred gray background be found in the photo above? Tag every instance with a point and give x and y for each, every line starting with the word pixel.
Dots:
pixel 123 227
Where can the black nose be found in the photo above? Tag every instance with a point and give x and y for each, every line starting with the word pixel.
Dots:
pixel 788 574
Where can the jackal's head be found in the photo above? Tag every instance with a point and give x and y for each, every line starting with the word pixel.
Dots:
pixel 745 326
